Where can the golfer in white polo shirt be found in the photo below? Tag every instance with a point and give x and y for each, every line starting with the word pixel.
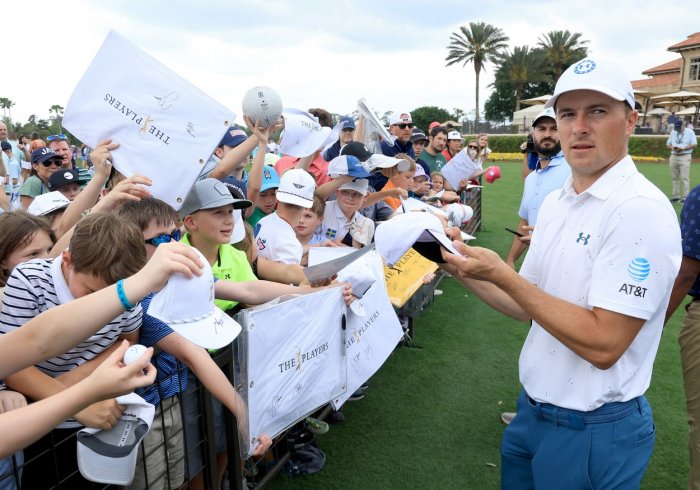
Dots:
pixel 595 284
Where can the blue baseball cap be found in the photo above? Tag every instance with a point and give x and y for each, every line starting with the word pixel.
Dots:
pixel 347 122
pixel 346 165
pixel 234 136
pixel 271 179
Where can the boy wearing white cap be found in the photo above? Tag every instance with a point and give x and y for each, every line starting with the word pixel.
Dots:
pixel 274 234
pixel 595 283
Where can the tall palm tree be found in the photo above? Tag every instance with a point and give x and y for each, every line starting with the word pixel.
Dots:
pixel 478 43
pixel 562 49
pixel 520 67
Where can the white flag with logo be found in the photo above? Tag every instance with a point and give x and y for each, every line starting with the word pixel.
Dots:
pixel 166 127
pixel 369 339
pixel 460 167
pixel 303 135
pixel 295 358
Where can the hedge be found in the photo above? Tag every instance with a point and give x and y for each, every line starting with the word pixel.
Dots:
pixel 639 145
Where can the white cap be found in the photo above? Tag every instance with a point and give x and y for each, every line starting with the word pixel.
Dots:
pixel 591 74
pixel 44 204
pixel 187 306
pixel 357 185
pixel 400 118
pixel 454 135
pixel 457 213
pixel 297 187
pixel 378 160
pixel 238 227
pixel 421 230
pixel 360 280
pixel 362 230
pixel 109 456
pixel 548 112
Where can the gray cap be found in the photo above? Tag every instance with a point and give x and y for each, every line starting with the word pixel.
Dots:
pixel 206 194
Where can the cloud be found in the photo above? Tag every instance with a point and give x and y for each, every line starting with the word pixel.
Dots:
pixel 325 54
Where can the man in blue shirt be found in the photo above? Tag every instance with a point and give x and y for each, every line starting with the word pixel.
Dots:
pixel 681 142
pixel 347 133
pixel 688 283
pixel 401 127
pixel 550 174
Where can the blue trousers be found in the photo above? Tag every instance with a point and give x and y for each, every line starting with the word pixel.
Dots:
pixel 547 447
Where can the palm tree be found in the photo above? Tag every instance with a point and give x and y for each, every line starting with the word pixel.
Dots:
pixel 521 67
pixel 478 43
pixel 562 49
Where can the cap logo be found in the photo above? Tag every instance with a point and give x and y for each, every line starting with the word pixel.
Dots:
pixel 267 175
pixel 586 66
pixel 299 186
pixel 68 176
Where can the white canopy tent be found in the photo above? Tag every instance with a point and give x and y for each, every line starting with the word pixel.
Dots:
pixel 524 117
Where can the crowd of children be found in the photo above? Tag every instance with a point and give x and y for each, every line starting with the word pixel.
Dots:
pixel 80 238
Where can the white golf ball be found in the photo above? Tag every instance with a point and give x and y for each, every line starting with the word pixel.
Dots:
pixel 133 353
pixel 263 104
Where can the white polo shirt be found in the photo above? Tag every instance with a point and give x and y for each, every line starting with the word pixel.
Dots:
pixel 276 240
pixel 615 246
pixel 335 225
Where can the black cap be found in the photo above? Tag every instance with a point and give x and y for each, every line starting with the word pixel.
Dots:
pixel 62 177
pixel 356 149
pixel 5 146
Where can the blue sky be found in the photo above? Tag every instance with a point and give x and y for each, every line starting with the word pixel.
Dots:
pixel 314 53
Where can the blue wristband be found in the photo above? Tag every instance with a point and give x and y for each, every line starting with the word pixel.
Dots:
pixel 122 296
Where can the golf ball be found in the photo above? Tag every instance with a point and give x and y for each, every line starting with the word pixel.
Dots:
pixel 133 353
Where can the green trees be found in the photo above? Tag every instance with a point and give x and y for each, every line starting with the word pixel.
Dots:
pixel 477 44
pixel 423 116
pixel 519 68
pixel 562 48
pixel 528 72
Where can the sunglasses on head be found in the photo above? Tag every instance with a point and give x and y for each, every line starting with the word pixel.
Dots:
pixel 405 125
pixel 55 161
pixel 164 238
pixel 56 137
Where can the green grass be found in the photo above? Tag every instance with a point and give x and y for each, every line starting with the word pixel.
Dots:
pixel 431 418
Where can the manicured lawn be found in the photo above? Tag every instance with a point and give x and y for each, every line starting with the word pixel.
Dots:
pixel 431 418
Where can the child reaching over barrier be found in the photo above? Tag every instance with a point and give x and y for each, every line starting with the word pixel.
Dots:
pixel 56 330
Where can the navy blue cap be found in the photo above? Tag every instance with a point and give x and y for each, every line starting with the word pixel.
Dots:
pixel 233 137
pixel 347 122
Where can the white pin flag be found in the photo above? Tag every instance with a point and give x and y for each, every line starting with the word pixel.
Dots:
pixel 369 339
pixel 303 135
pixel 294 359
pixel 458 168
pixel 166 127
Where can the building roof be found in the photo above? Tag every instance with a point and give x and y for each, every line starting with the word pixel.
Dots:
pixel 658 81
pixel 670 67
pixel 691 41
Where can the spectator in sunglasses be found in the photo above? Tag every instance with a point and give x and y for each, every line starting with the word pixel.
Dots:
pixel 401 126
pixel 45 162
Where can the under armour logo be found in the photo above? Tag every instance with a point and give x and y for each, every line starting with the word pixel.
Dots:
pixel 583 238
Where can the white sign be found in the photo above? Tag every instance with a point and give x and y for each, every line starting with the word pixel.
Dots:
pixel 458 168
pixel 166 127
pixel 303 135
pixel 369 339
pixel 295 359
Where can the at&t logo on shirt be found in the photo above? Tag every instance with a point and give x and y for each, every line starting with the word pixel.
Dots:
pixel 638 270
